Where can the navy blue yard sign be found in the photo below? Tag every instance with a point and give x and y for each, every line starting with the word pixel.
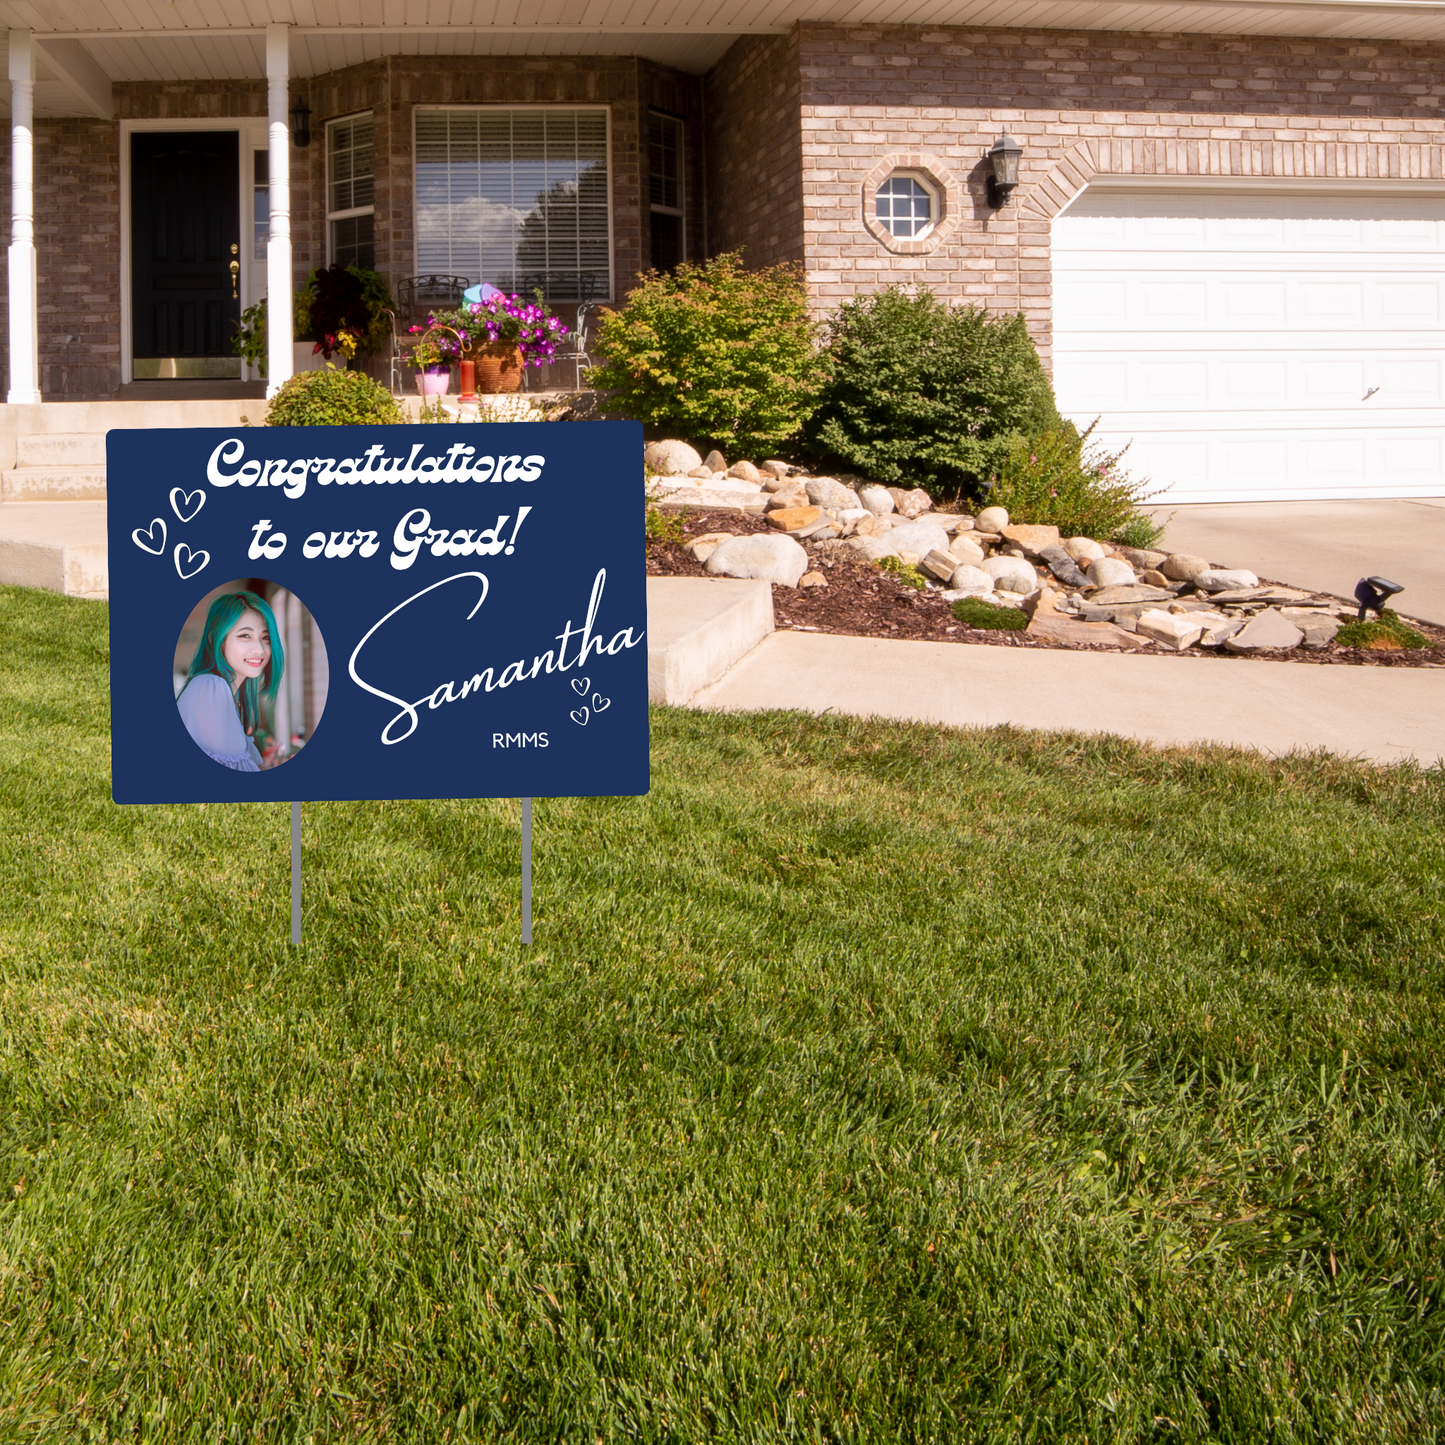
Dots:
pixel 327 613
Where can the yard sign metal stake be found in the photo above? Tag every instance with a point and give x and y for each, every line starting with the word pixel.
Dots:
pixel 296 874
pixel 526 871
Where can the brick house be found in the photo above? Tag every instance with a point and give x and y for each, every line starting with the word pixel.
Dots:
pixel 1226 235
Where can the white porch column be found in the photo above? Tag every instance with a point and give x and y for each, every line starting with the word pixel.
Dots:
pixel 24 303
pixel 278 248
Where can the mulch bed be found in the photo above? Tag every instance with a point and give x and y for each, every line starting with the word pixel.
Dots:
pixel 862 601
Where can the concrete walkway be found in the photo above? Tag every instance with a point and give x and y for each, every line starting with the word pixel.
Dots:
pixel 1384 714
pixel 1325 545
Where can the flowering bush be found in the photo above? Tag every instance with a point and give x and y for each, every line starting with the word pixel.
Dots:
pixel 1056 477
pixel 527 325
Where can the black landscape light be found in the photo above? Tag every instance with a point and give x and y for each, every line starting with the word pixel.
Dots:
pixel 300 124
pixel 1005 154
pixel 1373 592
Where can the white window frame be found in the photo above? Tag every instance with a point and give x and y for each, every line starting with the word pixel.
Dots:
pixel 354 211
pixel 935 202
pixel 606 111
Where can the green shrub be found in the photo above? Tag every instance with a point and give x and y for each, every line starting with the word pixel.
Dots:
pixel 1055 477
pixel 333 398
pixel 989 615
pixel 924 394
pixel 897 567
pixel 1390 631
pixel 715 353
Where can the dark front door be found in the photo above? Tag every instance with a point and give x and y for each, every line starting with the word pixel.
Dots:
pixel 185 235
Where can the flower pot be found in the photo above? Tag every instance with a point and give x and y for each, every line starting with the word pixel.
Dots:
pixel 499 367
pixel 434 380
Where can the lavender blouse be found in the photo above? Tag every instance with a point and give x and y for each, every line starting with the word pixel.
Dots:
pixel 209 713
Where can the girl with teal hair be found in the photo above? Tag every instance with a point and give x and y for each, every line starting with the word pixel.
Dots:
pixel 238 662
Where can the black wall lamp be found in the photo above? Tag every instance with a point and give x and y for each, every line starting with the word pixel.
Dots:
pixel 300 124
pixel 1005 155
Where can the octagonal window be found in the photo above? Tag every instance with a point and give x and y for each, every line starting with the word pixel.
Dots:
pixel 907 206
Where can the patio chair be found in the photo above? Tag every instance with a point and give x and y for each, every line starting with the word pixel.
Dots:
pixel 418 295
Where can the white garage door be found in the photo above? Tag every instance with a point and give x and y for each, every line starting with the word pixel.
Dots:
pixel 1256 346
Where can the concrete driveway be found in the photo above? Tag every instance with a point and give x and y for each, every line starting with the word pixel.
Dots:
pixel 1325 545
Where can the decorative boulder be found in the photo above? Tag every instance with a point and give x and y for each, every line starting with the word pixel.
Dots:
pixel 745 471
pixel 920 538
pixel 966 550
pixel 795 519
pixel 1111 572
pixel 1182 567
pixel 1169 629
pixel 911 504
pixel 876 499
pixel 1141 557
pixel 972 581
pixel 992 519
pixel 1033 539
pixel 1224 579
pixel 671 459
pixel 1011 574
pixel 1083 550
pixel 1269 629
pixel 766 556
pixel 825 492
pixel 715 461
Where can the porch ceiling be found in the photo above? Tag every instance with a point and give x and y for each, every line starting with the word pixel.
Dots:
pixel 161 40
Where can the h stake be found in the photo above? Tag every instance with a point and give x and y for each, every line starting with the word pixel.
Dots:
pixel 296 874
pixel 526 870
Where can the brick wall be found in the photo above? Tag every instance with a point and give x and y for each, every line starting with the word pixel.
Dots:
pixel 755 152
pixel 1081 104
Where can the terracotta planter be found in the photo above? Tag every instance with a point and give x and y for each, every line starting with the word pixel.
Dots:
pixel 499 368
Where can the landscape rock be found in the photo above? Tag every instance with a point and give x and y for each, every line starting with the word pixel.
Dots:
pixel 711 498
pixel 920 537
pixel 765 556
pixel 725 483
pixel 1058 628
pixel 671 458
pixel 876 499
pixel 812 579
pixel 970 581
pixel 1011 574
pixel 1318 627
pixel 1183 566
pixel 701 548
pixel 1215 634
pixel 1141 558
pixel 714 461
pixel 939 565
pixel 746 471
pixel 1111 572
pixel 1121 596
pixel 1032 538
pixel 1224 579
pixel 1083 550
pixel 775 468
pixel 1154 577
pixel 1170 629
pixel 1271 628
pixel 1064 568
pixel 954 522
pixel 702 473
pixel 795 519
pixel 911 504
pixel 791 498
pixel 772 483
pixel 869 548
pixel 992 519
pixel 825 492
pixel 966 550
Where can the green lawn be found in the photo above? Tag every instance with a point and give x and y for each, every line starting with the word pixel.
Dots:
pixel 865 1082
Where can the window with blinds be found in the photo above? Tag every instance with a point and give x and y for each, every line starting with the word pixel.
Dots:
pixel 518 198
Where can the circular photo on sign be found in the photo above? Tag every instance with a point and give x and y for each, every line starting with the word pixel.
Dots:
pixel 250 675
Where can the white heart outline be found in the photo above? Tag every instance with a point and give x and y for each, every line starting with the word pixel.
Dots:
pixel 580 685
pixel 600 703
pixel 190 557
pixel 580 721
pixel 186 497
pixel 137 534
